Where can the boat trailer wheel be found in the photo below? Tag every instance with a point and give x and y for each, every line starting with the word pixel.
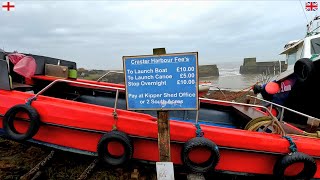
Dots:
pixel 10 116
pixel 202 143
pixel 106 156
pixel 309 168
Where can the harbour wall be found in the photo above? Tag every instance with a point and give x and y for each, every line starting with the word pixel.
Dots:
pixel 251 66
pixel 208 70
pixel 204 71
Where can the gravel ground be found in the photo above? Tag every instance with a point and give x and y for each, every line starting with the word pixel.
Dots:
pixel 17 159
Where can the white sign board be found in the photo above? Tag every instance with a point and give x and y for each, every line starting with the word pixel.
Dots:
pixel 165 171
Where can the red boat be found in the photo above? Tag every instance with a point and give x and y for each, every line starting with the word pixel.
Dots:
pixel 90 117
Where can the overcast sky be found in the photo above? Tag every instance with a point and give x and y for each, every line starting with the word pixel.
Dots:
pixel 96 34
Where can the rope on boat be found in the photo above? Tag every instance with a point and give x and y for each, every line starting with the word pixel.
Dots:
pixel 115 117
pixel 316 134
pixel 30 100
pixel 265 125
pixel 265 122
pixel 199 132
pixel 293 147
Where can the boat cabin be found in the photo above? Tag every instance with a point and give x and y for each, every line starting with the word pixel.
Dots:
pixel 308 47
pixel 10 80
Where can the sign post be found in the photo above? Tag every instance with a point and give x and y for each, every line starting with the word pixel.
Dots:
pixel 163 126
pixel 162 82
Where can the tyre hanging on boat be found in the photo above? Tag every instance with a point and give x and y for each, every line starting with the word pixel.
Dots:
pixel 115 148
pixel 304 69
pixel 10 116
pixel 309 166
pixel 201 144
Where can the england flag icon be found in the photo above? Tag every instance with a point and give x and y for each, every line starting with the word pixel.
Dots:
pixel 8 6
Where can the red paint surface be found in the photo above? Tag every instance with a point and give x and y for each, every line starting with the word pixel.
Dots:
pixel 115 148
pixel 294 169
pixel 199 155
pixel 21 127
pixel 81 115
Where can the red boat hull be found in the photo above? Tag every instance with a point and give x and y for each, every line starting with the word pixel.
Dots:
pixel 80 126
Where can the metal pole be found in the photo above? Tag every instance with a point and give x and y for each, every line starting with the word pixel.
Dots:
pixel 279 66
pixel 116 101
pixel 197 115
pixel 100 78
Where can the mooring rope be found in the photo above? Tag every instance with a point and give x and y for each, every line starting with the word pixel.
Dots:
pixel 199 132
pixel 30 100
pixel 265 122
pixel 255 124
pixel 293 147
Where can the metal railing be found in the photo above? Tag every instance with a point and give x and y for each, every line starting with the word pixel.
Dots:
pixel 310 118
pixel 76 82
pixel 85 84
pixel 100 78
pixel 123 89
pixel 241 104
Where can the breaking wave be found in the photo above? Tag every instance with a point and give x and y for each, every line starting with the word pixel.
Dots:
pixel 224 72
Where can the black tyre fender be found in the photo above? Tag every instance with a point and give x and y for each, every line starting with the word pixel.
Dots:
pixel 115 136
pixel 204 143
pixel 309 169
pixel 304 69
pixel 9 118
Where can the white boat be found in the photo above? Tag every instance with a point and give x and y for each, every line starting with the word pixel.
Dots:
pixel 308 47
pixel 297 86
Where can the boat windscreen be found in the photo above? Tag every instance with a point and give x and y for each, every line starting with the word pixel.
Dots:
pixel 292 58
pixel 315 46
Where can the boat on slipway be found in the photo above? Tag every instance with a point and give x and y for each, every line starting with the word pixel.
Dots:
pixel 43 102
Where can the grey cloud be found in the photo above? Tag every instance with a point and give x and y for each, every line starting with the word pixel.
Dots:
pixel 97 34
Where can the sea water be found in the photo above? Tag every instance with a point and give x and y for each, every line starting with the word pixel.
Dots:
pixel 230 78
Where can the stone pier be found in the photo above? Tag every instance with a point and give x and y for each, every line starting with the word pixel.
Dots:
pixel 251 66
pixel 208 70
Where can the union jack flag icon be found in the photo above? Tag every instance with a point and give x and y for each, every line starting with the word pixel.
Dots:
pixel 311 6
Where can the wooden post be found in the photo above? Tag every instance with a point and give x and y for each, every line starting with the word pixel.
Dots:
pixel 163 125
